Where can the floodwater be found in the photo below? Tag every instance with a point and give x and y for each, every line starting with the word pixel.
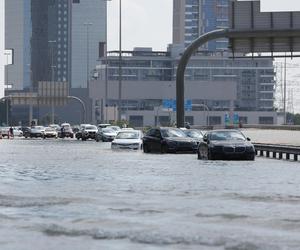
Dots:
pixel 73 195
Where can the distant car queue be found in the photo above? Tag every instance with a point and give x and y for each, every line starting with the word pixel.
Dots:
pixel 227 144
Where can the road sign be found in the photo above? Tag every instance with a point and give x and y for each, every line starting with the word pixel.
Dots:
pixel 279 5
pixel 53 93
pixel 246 17
pixel 170 105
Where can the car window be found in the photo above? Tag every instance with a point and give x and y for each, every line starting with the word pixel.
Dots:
pixel 193 133
pixel 227 135
pixel 91 127
pixel 128 135
pixel 151 132
pixel 172 133
pixel 107 130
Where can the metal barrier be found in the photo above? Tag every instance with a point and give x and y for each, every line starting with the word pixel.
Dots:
pixel 277 151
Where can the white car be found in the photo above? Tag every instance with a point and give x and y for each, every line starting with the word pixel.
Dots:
pixel 37 131
pixel 50 132
pixel 128 139
pixel 17 132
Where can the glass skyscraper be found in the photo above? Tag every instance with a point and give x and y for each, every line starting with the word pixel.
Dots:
pixel 193 18
pixel 49 40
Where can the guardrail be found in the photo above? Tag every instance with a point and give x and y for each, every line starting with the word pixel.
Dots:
pixel 286 152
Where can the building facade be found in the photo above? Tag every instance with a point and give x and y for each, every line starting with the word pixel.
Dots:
pixel 49 40
pixel 192 18
pixel 215 86
pixel 88 38
pixel 2 44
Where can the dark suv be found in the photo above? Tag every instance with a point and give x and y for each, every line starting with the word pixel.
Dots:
pixel 168 140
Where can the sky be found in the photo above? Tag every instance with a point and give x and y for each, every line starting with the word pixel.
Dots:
pixel 145 23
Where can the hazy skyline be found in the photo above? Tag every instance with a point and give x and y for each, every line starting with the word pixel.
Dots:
pixel 145 23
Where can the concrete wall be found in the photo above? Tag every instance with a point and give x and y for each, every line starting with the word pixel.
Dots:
pixel 2 36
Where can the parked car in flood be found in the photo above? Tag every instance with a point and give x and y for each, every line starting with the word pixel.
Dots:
pixel 50 133
pixel 89 132
pixel 5 131
pixel 168 140
pixel 78 134
pixel 66 131
pixel 37 131
pixel 106 134
pixel 128 139
pixel 226 145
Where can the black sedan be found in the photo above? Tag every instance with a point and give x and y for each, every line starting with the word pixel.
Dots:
pixel 226 145
pixel 168 140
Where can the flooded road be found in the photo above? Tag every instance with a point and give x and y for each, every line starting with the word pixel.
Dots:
pixel 73 195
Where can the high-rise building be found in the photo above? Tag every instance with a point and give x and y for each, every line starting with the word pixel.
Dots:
pixel 2 26
pixel 17 41
pixel 193 18
pixel 88 38
pixel 51 42
pixel 51 28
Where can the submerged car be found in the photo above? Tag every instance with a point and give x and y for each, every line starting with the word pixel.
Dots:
pixel 89 132
pixel 37 131
pixel 128 139
pixel 50 133
pixel 168 140
pixel 106 134
pixel 65 131
pixel 226 145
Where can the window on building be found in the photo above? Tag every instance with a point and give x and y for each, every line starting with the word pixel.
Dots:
pixel 214 120
pixel 136 120
pixel 266 120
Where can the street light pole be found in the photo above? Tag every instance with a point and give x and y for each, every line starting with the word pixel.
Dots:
pixel 106 67
pixel 87 25
pixel 6 76
pixel 120 62
pixel 52 77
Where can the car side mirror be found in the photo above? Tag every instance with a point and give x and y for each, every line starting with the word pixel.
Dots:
pixel 248 139
pixel 205 139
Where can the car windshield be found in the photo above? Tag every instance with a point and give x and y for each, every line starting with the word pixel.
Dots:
pixel 108 130
pixel 38 128
pixel 116 128
pixel 50 129
pixel 193 133
pixel 91 127
pixel 227 135
pixel 128 135
pixel 172 133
